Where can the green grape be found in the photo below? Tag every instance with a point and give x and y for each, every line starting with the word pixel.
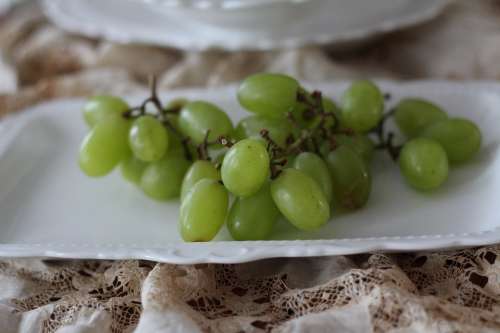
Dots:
pixel 203 211
pixel 460 138
pixel 360 143
pixel 174 142
pixel 104 146
pixel 314 166
pixel 162 180
pixel 300 199
pixel 423 163
pixel 99 107
pixel 362 106
pixel 412 115
pixel 253 217
pixel 198 170
pixel 245 167
pixel 132 169
pixel 197 117
pixel 350 177
pixel 268 94
pixel 148 139
pixel 250 127
pixel 325 148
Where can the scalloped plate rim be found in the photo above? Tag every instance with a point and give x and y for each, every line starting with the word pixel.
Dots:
pixel 54 10
pixel 219 4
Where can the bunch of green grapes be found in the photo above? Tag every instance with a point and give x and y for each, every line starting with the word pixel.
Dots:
pixel 297 155
pixel 435 142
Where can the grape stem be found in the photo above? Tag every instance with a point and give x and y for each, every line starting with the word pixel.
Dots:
pixel 277 154
pixel 153 98
pixel 202 148
pixel 276 167
pixel 272 146
pixel 225 141
pixel 379 130
pixel 308 139
pixel 315 108
pixel 161 114
pixel 393 150
pixel 298 145
pixel 387 142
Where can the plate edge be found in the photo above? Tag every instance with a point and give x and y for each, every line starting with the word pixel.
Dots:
pixel 425 14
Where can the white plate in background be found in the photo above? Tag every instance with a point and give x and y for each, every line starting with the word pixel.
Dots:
pixel 277 24
pixel 220 4
pixel 49 208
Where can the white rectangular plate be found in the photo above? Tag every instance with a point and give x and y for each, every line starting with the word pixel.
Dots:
pixel 48 208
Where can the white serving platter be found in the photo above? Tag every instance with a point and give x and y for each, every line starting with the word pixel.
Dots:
pixel 48 208
pixel 230 25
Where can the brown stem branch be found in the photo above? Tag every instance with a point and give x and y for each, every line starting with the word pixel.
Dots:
pixel 225 141
pixel 202 148
pixel 276 167
pixel 393 150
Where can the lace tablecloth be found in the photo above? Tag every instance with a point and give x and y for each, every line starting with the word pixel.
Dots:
pixel 454 291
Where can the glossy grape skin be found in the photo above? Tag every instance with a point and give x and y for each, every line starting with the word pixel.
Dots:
pixel 351 178
pixel 300 199
pixel 460 138
pixel 253 217
pixel 412 115
pixel 360 143
pixel 99 107
pixel 267 94
pixel 245 167
pixel 148 139
pixel 132 169
pixel 362 106
pixel 174 142
pixel 423 163
pixel 250 127
pixel 199 170
pixel 104 146
pixel 162 180
pixel 203 211
pixel 316 168
pixel 197 117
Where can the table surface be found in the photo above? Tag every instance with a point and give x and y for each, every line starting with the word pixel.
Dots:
pixel 417 292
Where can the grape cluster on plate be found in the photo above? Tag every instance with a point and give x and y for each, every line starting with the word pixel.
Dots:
pixel 297 155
